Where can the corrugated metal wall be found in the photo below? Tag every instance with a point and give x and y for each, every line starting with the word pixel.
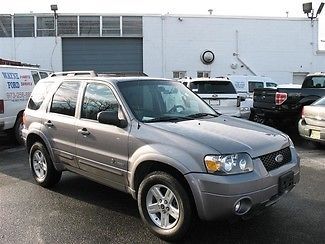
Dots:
pixel 102 54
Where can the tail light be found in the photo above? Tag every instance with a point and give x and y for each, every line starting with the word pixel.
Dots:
pixel 2 107
pixel 280 97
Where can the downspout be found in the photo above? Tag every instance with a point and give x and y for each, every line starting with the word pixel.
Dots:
pixel 236 54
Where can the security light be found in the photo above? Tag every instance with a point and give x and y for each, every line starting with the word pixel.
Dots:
pixel 54 7
pixel 307 7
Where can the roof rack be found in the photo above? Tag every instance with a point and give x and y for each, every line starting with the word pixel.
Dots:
pixel 122 74
pixel 74 73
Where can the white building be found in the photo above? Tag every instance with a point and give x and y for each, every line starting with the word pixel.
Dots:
pixel 285 49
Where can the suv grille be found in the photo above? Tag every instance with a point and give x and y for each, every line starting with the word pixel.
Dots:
pixel 269 160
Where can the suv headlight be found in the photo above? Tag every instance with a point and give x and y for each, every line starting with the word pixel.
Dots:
pixel 228 164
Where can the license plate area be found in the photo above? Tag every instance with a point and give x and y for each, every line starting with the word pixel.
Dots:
pixel 214 102
pixel 286 182
pixel 315 134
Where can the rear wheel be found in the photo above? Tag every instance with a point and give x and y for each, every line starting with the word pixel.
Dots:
pixel 42 166
pixel 165 206
pixel 18 130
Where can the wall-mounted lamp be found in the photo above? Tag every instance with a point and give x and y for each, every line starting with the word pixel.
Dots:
pixel 308 9
pixel 54 8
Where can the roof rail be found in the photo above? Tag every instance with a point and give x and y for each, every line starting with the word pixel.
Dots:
pixel 121 74
pixel 74 73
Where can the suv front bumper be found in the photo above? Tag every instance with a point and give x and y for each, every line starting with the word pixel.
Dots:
pixel 216 196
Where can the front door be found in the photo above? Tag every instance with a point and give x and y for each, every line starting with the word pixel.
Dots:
pixel 102 150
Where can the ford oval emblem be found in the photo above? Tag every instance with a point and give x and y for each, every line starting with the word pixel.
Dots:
pixel 279 158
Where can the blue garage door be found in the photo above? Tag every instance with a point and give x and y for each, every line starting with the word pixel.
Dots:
pixel 102 54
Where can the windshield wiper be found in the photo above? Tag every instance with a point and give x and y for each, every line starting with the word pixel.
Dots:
pixel 200 115
pixel 167 119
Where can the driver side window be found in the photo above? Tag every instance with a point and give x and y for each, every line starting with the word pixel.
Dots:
pixel 97 98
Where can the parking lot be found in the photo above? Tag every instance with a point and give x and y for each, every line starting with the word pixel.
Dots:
pixel 78 210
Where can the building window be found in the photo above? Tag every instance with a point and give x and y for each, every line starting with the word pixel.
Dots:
pixel 132 26
pixel 179 74
pixel 67 26
pixel 5 26
pixel 45 26
pixel 203 74
pixel 24 26
pixel 111 26
pixel 89 25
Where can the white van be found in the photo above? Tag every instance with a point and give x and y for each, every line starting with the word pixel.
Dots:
pixel 245 85
pixel 16 85
pixel 219 93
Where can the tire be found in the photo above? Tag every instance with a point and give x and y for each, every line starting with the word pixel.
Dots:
pixel 176 225
pixel 18 130
pixel 40 161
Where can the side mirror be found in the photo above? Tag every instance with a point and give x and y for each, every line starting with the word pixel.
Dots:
pixel 111 118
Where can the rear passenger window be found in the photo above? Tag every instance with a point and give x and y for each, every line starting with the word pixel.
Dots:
pixel 43 75
pixel 35 76
pixel 38 95
pixel 98 98
pixel 65 99
pixel 252 85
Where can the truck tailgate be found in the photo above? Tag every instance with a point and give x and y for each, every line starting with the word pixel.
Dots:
pixel 264 98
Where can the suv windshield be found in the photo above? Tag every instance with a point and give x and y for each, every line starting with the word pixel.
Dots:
pixel 212 87
pixel 162 100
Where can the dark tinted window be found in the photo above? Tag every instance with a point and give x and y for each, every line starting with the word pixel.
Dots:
pixel 97 98
pixel 65 99
pixel 314 82
pixel 43 75
pixel 271 84
pixel 212 87
pixel 36 77
pixel 38 95
pixel 254 84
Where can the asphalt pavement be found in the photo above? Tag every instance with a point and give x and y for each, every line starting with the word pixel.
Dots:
pixel 78 210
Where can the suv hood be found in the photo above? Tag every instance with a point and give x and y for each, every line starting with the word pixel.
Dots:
pixel 229 135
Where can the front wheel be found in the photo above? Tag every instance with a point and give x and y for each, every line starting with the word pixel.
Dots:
pixel 165 206
pixel 42 166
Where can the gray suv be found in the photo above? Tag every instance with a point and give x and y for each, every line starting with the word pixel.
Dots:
pixel 159 142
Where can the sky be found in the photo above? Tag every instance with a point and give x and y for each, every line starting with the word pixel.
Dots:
pixel 274 8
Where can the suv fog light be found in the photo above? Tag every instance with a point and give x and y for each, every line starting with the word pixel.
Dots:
pixel 242 206
pixel 237 206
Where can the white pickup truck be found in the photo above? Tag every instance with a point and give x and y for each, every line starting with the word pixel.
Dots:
pixel 16 85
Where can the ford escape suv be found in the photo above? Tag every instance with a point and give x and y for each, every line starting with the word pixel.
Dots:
pixel 158 141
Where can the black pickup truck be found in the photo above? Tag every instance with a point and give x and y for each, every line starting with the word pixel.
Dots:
pixel 285 104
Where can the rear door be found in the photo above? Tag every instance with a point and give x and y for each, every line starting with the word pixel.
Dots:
pixel 102 149
pixel 59 122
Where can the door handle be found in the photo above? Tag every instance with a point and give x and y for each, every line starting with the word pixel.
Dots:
pixel 49 123
pixel 84 131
